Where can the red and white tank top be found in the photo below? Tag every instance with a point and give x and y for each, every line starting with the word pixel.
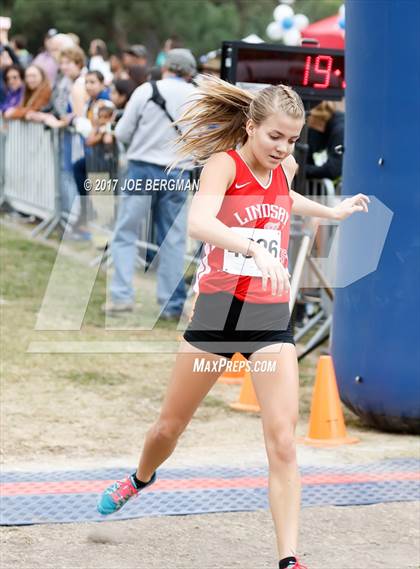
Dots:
pixel 257 212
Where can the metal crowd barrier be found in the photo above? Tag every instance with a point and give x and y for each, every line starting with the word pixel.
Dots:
pixel 37 177
pixel 308 280
pixel 2 157
pixel 30 173
pixel 314 189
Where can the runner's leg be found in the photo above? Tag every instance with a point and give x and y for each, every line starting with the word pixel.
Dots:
pixel 277 393
pixel 185 392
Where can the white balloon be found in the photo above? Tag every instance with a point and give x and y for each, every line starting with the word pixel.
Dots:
pixel 342 11
pixel 274 31
pixel 301 21
pixel 292 37
pixel 282 11
pixel 252 38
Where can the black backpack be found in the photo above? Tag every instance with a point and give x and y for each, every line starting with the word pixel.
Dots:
pixel 160 101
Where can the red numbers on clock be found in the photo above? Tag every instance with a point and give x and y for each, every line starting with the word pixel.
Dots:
pixel 319 68
pixel 307 70
pixel 323 65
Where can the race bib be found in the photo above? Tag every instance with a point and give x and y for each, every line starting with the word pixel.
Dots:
pixel 238 264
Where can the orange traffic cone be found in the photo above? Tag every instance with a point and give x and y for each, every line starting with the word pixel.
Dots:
pixel 326 424
pixel 236 373
pixel 247 399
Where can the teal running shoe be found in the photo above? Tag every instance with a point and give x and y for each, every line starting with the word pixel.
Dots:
pixel 118 494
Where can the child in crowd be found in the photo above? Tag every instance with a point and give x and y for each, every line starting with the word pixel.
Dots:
pixel 102 125
pixel 98 94
pixel 95 88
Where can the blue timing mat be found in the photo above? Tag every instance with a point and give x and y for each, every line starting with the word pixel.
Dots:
pixel 71 496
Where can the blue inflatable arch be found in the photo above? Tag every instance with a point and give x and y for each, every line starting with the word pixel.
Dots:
pixel 376 326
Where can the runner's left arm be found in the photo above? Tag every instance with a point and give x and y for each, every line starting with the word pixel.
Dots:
pixel 307 207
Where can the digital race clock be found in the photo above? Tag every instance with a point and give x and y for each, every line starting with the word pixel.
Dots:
pixel 315 73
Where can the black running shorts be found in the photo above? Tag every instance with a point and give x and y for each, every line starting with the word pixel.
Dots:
pixel 222 324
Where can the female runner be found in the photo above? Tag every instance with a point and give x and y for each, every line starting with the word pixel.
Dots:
pixel 242 214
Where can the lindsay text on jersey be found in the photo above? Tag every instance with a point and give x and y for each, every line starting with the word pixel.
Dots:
pixel 258 211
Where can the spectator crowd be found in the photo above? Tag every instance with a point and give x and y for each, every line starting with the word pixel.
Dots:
pixel 100 99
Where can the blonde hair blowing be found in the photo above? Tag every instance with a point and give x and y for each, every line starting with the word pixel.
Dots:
pixel 216 116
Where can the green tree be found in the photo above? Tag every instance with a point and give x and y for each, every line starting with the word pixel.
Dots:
pixel 316 9
pixel 202 24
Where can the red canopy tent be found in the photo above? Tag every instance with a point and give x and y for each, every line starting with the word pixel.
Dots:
pixel 327 32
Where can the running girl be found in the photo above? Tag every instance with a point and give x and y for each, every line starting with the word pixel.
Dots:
pixel 242 214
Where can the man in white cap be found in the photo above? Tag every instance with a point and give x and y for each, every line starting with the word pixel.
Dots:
pixel 146 129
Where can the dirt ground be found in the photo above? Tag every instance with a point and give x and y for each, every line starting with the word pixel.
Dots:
pixel 84 434
pixel 382 536
pixel 68 411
